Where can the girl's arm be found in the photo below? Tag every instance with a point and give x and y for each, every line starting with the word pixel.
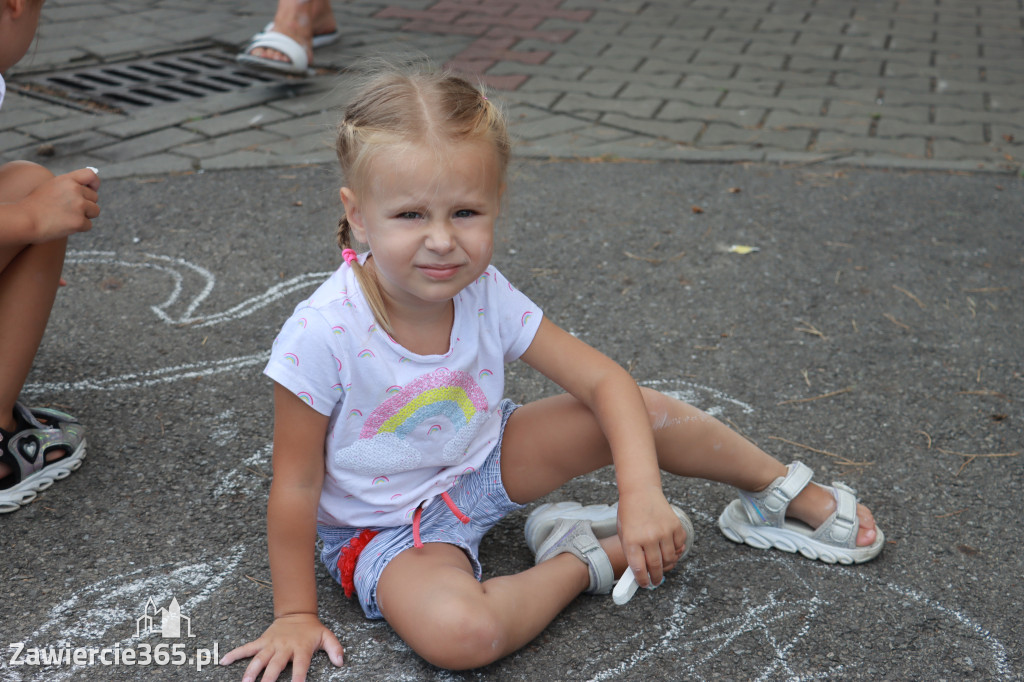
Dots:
pixel 296 633
pixel 651 535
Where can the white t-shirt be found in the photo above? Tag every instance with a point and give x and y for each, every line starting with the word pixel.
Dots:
pixel 403 427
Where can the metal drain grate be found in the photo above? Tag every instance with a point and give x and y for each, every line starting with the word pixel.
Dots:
pixel 150 82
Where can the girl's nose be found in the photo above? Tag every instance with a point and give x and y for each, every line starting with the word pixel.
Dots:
pixel 439 236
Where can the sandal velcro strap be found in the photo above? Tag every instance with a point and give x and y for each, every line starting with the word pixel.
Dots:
pixel 842 527
pixel 576 537
pixel 777 497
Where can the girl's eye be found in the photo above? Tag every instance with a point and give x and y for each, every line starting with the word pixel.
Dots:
pixel 409 215
pixel 465 213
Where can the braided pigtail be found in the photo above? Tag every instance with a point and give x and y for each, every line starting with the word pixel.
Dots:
pixel 365 276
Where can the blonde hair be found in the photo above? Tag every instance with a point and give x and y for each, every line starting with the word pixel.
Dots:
pixel 410 105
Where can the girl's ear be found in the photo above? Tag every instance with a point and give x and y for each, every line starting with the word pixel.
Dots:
pixel 352 212
pixel 15 7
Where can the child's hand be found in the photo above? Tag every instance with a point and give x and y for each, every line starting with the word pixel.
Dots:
pixel 62 206
pixel 652 537
pixel 294 638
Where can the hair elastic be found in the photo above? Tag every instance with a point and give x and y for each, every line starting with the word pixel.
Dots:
pixel 349 255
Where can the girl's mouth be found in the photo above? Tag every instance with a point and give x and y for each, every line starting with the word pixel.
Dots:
pixel 440 271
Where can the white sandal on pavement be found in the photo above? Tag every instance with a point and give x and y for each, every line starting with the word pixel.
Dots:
pixel 602 517
pixel 319 40
pixel 272 40
pixel 759 520
pixel 577 538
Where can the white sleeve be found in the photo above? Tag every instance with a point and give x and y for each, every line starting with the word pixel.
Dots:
pixel 519 317
pixel 303 360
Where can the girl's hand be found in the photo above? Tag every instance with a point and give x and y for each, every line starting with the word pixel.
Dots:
pixel 295 637
pixel 652 536
pixel 62 206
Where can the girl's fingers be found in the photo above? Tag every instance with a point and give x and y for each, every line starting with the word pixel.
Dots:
pixel 252 670
pixel 655 567
pixel 332 647
pixel 240 652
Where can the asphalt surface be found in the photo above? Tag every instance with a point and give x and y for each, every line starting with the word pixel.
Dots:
pixel 870 153
pixel 875 335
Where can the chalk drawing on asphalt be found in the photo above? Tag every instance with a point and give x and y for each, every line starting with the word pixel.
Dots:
pixel 104 613
pixel 191 285
pixel 785 632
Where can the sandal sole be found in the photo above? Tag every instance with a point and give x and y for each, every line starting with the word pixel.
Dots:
pixel 18 496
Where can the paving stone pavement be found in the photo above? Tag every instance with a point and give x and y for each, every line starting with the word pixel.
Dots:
pixel 929 84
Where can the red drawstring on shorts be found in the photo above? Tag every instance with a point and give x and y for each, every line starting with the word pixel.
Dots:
pixel 416 541
pixel 350 553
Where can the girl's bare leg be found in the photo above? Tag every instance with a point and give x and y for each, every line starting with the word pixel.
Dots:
pixel 432 600
pixel 556 439
pixel 300 20
pixel 430 596
pixel 29 277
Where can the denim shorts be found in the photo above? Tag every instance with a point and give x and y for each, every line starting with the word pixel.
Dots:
pixel 479 495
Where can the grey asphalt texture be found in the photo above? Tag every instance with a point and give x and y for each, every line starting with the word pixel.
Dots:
pixel 875 335
pixel 871 153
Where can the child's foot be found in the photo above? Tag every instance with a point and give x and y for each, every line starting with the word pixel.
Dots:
pixel 43 446
pixel 816 503
pixel 791 515
pixel 577 538
pixel 602 520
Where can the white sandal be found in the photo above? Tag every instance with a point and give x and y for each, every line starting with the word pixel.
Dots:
pixel 289 47
pixel 577 538
pixel 319 39
pixel 759 520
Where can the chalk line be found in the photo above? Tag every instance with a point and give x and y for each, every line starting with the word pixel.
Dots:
pixel 174 267
pixel 690 392
pixel 154 377
pixel 111 605
pixel 697 648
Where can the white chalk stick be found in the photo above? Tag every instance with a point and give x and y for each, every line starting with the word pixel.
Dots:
pixel 625 588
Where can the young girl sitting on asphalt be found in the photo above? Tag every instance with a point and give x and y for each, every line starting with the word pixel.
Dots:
pixel 37 213
pixel 393 443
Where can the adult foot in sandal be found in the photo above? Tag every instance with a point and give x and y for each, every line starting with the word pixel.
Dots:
pixel 37 447
pixel 310 23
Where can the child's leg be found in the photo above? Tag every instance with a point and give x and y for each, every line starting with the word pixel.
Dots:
pixel 432 600
pixel 551 441
pixel 29 277
pixel 430 596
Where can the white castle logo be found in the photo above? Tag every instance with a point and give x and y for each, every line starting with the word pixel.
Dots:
pixel 169 620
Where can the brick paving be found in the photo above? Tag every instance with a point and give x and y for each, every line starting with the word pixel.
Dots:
pixel 928 84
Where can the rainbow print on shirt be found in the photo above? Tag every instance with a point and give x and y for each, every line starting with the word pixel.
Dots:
pixel 453 395
pixel 430 421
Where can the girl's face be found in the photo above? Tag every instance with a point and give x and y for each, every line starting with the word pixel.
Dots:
pixel 428 219
pixel 18 23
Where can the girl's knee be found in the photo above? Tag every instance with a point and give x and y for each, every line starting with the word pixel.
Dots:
pixel 18 179
pixel 463 636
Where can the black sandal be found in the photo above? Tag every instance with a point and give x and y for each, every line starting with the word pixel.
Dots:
pixel 40 431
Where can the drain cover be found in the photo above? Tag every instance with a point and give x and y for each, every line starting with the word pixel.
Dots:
pixel 149 82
